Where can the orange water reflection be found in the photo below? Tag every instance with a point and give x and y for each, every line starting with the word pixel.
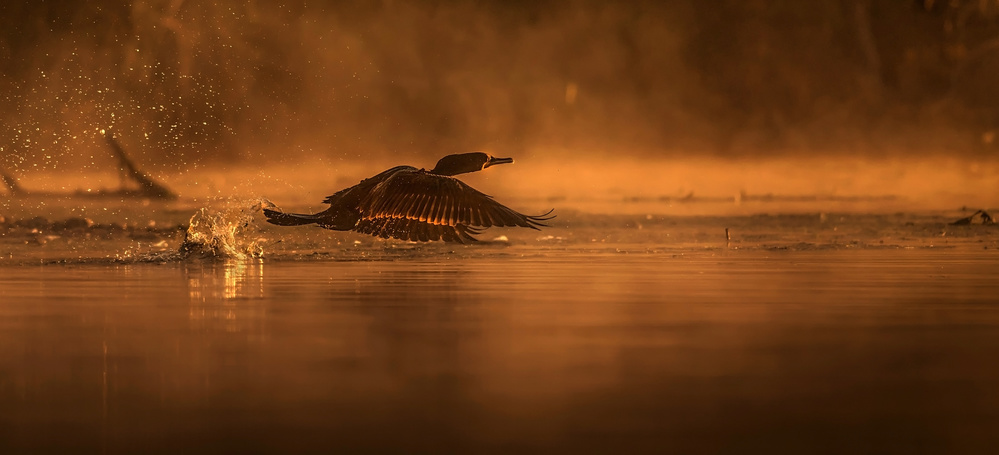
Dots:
pixel 226 296
pixel 704 352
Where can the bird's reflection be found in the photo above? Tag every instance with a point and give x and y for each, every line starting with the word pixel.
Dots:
pixel 224 295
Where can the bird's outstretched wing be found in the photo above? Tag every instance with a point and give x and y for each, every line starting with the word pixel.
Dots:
pixel 352 194
pixel 418 204
pixel 415 230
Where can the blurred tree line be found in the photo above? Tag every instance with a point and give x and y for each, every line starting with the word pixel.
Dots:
pixel 850 70
pixel 189 81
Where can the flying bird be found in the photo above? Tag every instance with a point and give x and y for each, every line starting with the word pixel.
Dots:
pixel 406 203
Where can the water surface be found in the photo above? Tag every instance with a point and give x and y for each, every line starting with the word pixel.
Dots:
pixel 496 349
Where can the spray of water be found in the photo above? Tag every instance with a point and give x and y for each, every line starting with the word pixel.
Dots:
pixel 224 233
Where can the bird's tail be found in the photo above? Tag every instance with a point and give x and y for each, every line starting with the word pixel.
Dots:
pixel 289 219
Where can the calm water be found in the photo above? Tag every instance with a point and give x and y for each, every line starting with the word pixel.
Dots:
pixel 502 350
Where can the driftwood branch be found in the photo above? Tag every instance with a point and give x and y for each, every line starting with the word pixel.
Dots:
pixel 149 186
pixel 11 182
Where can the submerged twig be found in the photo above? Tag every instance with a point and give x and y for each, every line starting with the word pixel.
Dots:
pixel 979 217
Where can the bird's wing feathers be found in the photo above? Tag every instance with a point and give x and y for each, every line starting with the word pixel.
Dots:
pixel 435 200
pixel 415 230
pixel 351 193
pixel 339 194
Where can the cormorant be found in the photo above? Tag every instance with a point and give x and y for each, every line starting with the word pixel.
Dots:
pixel 416 204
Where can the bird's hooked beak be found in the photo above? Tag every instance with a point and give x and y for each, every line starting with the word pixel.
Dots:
pixel 493 161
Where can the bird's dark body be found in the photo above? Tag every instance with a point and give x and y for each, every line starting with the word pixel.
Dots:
pixel 415 204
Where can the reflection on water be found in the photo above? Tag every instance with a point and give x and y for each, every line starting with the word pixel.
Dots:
pixel 224 294
pixel 833 351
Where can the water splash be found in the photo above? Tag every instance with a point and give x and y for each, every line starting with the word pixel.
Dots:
pixel 224 233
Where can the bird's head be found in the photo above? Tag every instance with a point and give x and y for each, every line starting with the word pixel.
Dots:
pixel 466 162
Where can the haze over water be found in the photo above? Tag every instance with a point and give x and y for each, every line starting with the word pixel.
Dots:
pixel 754 248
